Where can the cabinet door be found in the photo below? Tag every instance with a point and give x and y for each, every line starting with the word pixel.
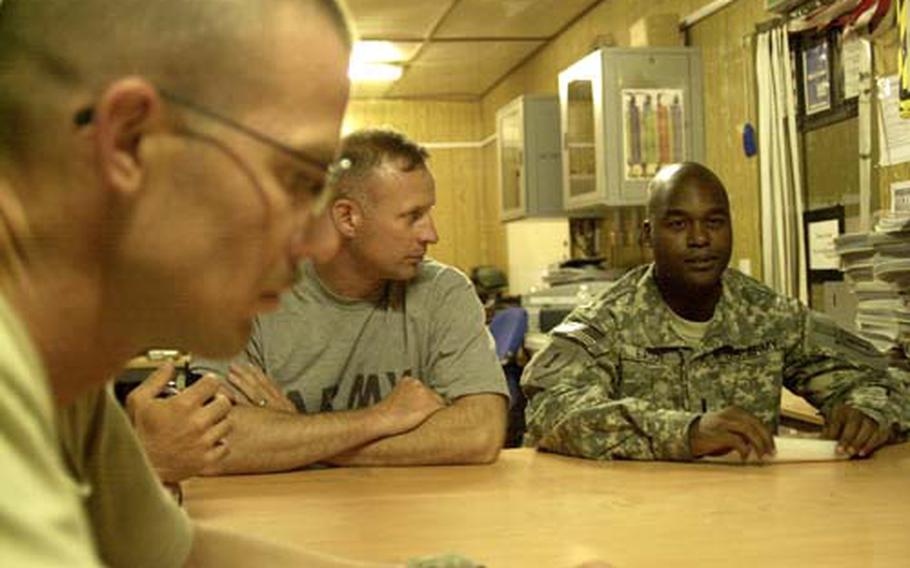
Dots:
pixel 511 163
pixel 580 95
pixel 650 105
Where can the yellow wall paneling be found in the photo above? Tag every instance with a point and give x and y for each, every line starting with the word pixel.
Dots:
pixel 468 209
pixel 463 164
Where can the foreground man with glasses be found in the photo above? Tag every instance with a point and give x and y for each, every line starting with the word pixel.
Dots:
pixel 132 217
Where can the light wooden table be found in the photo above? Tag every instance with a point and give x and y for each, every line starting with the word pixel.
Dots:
pixel 538 510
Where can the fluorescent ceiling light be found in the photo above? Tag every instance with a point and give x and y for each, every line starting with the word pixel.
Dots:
pixel 374 72
pixel 376 52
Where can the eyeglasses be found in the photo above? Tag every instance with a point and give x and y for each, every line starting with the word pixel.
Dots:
pixel 318 171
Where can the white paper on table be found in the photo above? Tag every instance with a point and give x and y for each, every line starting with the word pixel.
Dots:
pixel 789 450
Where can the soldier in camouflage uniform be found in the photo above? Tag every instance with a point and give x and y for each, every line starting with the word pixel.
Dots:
pixel 685 357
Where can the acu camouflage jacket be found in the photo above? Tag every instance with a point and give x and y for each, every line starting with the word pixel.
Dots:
pixel 617 382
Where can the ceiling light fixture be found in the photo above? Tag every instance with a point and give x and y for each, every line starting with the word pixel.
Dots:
pixel 375 51
pixel 374 72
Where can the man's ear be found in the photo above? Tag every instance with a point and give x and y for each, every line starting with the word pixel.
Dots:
pixel 126 111
pixel 646 233
pixel 322 239
pixel 347 216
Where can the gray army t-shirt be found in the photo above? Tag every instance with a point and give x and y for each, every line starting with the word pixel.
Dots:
pixel 332 353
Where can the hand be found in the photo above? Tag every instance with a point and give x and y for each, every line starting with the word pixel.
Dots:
pixel 183 435
pixel 408 405
pixel 248 385
pixel 717 433
pixel 857 434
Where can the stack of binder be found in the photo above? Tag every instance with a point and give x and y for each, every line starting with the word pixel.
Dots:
pixel 876 266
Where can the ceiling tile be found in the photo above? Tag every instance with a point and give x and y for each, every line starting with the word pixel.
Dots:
pixel 361 90
pixel 510 18
pixel 460 68
pixel 410 19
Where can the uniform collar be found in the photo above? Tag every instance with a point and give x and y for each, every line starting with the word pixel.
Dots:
pixel 654 314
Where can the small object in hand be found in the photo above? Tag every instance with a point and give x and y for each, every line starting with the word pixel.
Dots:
pixel 262 403
pixel 183 378
pixel 162 354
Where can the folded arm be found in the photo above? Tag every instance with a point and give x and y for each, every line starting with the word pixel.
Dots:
pixel 469 431
pixel 264 439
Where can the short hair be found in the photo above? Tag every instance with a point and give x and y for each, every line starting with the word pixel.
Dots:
pixel 341 18
pixel 365 150
pixel 53 49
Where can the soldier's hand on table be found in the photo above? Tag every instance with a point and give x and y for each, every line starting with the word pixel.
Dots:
pixel 184 434
pixel 250 386
pixel 731 429
pixel 858 435
pixel 408 405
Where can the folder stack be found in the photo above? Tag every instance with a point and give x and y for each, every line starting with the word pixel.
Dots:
pixel 876 266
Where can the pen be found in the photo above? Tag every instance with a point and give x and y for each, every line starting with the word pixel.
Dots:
pixel 704 406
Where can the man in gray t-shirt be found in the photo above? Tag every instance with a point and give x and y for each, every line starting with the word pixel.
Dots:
pixel 378 356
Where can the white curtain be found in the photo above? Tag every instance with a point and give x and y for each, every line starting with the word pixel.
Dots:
pixel 783 252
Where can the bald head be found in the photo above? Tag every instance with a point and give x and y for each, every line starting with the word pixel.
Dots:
pixel 673 178
pixel 52 51
pixel 689 230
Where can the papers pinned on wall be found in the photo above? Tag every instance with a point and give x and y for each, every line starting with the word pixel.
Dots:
pixel 893 131
pixel 852 54
pixel 822 252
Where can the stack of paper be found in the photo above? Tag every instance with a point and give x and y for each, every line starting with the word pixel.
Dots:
pixel 891 262
pixel 856 255
pixel 877 268
pixel 892 221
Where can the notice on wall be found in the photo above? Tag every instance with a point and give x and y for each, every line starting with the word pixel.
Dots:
pixel 822 253
pixel 893 131
pixel 653 130
pixel 852 58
